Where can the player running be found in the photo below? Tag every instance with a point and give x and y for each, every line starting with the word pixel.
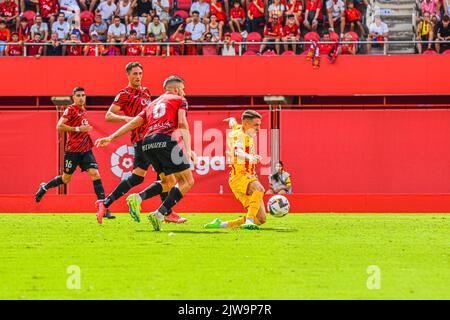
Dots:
pixel 128 103
pixel 78 150
pixel 243 181
pixel 161 118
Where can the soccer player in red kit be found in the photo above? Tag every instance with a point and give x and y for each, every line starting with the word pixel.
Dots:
pixel 78 150
pixel 160 119
pixel 131 101
pixel 13 49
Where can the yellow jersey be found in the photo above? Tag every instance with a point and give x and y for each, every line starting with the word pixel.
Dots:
pixel 238 139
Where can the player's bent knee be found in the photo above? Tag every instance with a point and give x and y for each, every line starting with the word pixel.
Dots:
pixel 66 178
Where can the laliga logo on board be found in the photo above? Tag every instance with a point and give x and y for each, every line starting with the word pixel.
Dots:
pixel 122 161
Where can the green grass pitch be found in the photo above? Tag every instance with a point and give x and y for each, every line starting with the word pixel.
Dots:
pixel 300 256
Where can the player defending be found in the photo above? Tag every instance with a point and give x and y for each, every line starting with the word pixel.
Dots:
pixel 128 103
pixel 243 181
pixel 78 151
pixel 161 118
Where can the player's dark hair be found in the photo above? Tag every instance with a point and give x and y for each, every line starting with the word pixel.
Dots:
pixel 172 79
pixel 77 89
pixel 131 65
pixel 250 115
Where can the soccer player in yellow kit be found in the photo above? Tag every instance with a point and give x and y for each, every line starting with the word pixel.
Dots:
pixel 243 180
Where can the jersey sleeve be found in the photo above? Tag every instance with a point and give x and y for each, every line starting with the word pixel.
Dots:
pixel 121 100
pixel 68 113
pixel 184 104
pixel 143 115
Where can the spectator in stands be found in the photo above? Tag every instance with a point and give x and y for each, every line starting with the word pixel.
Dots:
pixel 424 32
pixel 96 48
pixel 15 48
pixel 313 14
pixel 5 36
pixel 209 49
pixel 162 8
pixel 48 9
pixel 133 47
pixel 9 13
pixel 142 8
pixel 117 30
pixel 36 48
pixel 378 31
pixel 71 10
pixel 217 9
pixel 273 32
pixel 228 48
pixel 99 26
pixel 61 27
pixel 237 18
pixel 280 181
pixel 291 33
pixel 325 48
pixel 24 30
pixel 336 15
pixel 353 16
pixel 277 8
pixel 55 47
pixel 158 29
pixel 138 26
pixel 190 46
pixel 433 8
pixel 39 27
pixel 107 9
pixel 111 49
pixel 215 27
pixel 177 37
pixel 151 49
pixel 348 48
pixel 124 11
pixel 255 13
pixel 195 27
pixel 75 29
pixel 74 50
pixel 203 10
pixel 443 34
pixel 296 8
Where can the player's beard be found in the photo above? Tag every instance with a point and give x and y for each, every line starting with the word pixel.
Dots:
pixel 251 133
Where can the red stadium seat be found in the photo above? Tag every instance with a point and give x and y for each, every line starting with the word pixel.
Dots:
pixel 253 37
pixel 334 36
pixel 312 36
pixel 236 36
pixel 288 53
pixel 85 37
pixel 269 53
pixel 249 53
pixel 181 13
pixel 86 19
pixel 430 51
pixel 446 52
pixel 184 5
pixel 30 16
pixel 353 34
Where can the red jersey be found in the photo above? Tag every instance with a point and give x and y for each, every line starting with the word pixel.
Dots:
pixel 24 33
pixel 298 7
pixel 4 35
pixel 34 49
pixel 238 13
pixel 15 50
pixel 134 49
pixel 8 10
pixel 77 141
pixel 352 15
pixel 291 31
pixel 132 101
pixel 90 49
pixel 221 16
pixel 190 49
pixel 151 49
pixel 48 7
pixel 313 6
pixel 74 50
pixel 270 30
pixel 254 10
pixel 161 116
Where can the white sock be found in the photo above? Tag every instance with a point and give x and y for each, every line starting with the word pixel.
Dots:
pixel 159 216
pixel 249 220
pixel 224 224
pixel 138 197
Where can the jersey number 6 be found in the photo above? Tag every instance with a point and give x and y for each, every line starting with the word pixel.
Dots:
pixel 159 110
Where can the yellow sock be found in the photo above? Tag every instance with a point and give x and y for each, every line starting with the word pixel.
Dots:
pixel 254 204
pixel 236 223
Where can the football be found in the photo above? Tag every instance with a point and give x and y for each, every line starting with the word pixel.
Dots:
pixel 278 206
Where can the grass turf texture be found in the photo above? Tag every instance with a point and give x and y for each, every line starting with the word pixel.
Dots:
pixel 308 256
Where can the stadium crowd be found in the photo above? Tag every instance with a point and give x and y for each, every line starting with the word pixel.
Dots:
pixel 433 24
pixel 204 27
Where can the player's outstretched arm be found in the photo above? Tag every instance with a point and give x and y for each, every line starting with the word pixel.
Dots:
pixel 112 115
pixel 133 124
pixel 232 123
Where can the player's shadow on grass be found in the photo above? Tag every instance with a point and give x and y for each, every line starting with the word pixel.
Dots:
pixel 185 231
pixel 279 229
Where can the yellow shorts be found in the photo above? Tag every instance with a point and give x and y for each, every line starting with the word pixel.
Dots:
pixel 239 185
